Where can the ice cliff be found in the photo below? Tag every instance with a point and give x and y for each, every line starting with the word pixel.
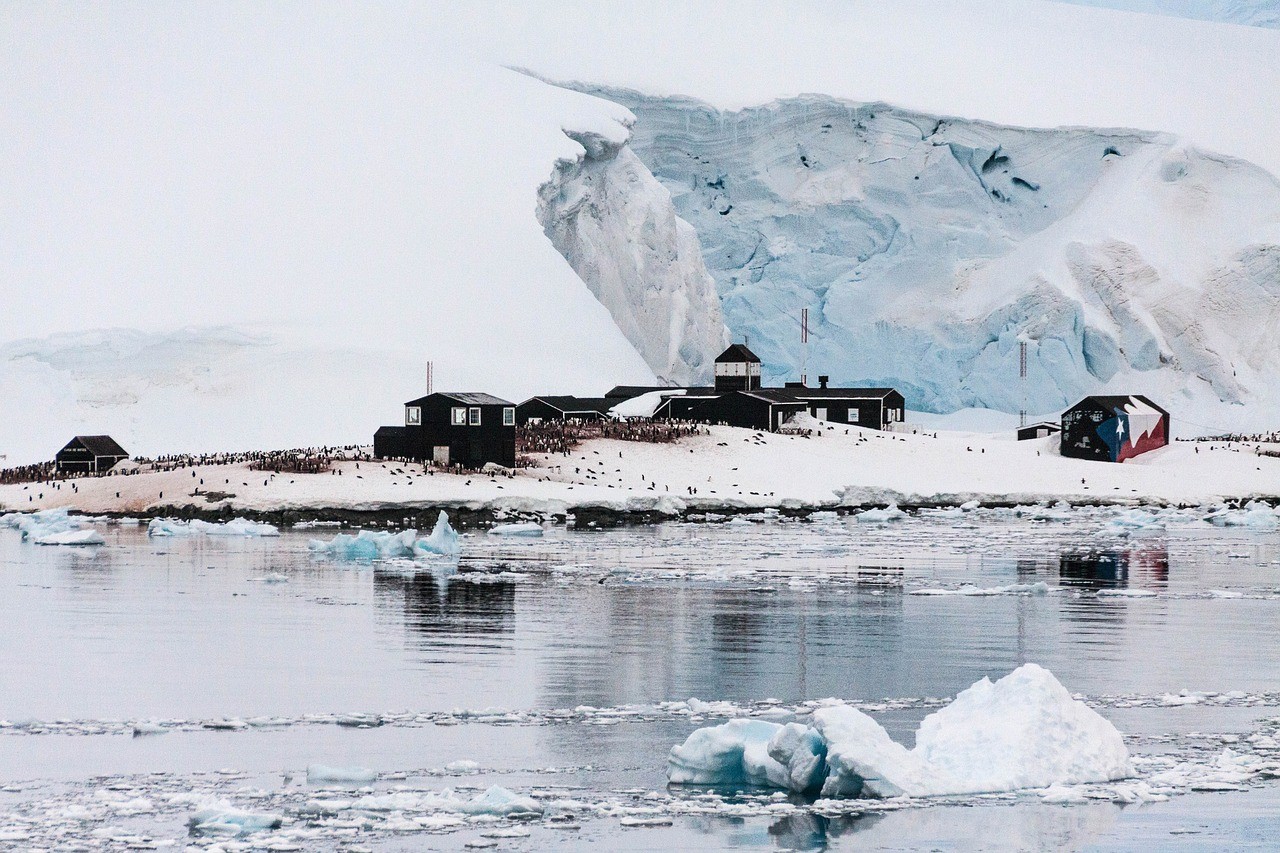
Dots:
pixel 616 225
pixel 926 247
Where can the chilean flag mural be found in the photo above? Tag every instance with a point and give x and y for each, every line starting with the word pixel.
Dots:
pixel 1113 428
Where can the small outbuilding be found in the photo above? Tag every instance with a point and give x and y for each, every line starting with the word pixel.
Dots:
pixel 90 454
pixel 1044 429
pixel 1113 428
pixel 469 429
pixel 563 408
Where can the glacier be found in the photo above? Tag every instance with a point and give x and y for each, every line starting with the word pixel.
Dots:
pixel 928 247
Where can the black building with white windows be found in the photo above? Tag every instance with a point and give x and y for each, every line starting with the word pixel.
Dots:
pixel 466 429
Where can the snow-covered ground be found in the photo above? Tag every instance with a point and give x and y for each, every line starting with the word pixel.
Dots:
pixel 728 467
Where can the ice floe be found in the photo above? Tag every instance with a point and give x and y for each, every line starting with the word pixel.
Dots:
pixel 51 527
pixel 522 528
pixel 243 527
pixel 1023 731
pixel 322 774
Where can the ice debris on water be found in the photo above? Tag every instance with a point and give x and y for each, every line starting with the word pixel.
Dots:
pixel 51 527
pixel 1022 731
pixel 235 527
pixel 381 545
pixel 523 528
pixel 222 818
pixel 322 774
pixel 881 516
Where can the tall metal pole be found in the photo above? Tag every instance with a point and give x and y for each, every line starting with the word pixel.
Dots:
pixel 804 343
pixel 1022 376
pixel 430 376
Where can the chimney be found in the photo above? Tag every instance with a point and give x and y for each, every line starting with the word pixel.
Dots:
pixel 822 381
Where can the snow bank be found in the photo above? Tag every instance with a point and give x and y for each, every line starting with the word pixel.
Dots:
pixel 1023 731
pixel 381 545
pixel 235 527
pixel 644 405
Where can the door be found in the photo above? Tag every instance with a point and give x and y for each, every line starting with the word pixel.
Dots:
pixel 820 413
pixel 440 455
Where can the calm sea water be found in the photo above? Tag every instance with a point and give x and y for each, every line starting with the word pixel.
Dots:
pixel 525 658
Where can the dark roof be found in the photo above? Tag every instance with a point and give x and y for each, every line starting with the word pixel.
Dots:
pixel 569 403
pixel 1119 401
pixel 391 430
pixel 847 393
pixel 627 392
pixel 469 398
pixel 737 352
pixel 771 395
pixel 99 445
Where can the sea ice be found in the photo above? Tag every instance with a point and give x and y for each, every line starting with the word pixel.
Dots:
pixel 889 513
pixel 1023 731
pixel 501 802
pixel 222 818
pixel 44 524
pixel 234 527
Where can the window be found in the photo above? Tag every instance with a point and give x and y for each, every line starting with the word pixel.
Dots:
pixel 853 414
pixel 474 413
pixel 459 416
pixel 412 416
pixel 508 416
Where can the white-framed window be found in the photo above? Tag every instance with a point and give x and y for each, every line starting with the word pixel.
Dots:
pixel 753 369
pixel 508 416
pixel 474 416
pixel 853 414
pixel 412 415
pixel 458 416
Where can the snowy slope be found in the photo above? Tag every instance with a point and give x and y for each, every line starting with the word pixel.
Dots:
pixel 359 187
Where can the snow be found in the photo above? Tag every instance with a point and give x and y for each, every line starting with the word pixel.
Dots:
pixel 1022 731
pixel 382 545
pixel 644 405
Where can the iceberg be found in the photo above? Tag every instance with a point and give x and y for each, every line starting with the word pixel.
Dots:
pixel 221 818
pixel 234 527
pixel 881 516
pixel 71 537
pixel 1022 731
pixel 370 545
pixel 501 802
pixel 42 524
pixel 321 774
pixel 524 528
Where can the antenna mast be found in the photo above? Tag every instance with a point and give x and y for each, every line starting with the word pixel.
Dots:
pixel 1022 376
pixel 430 376
pixel 804 343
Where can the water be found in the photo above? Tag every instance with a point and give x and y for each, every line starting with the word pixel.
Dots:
pixel 544 662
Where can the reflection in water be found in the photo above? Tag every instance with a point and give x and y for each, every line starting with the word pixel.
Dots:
pixel 444 605
pixel 1142 568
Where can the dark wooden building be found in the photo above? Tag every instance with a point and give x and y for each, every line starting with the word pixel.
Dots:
pixel 453 429
pixel 563 408
pixel 737 369
pixel 1113 428
pixel 765 409
pixel 91 454
pixel 1044 429
pixel 873 408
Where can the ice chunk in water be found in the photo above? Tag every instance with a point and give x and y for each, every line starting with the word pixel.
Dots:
pixel 321 774
pixel 380 545
pixel 881 516
pixel 1023 731
pixel 524 528
pixel 44 524
pixel 70 537
pixel 222 818
pixel 499 801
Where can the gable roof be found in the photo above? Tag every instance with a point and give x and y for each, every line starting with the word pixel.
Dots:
pixel 99 445
pixel 569 403
pixel 467 398
pixel 845 393
pixel 1119 401
pixel 769 395
pixel 737 352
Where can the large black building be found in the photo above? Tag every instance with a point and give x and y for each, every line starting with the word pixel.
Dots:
pixel 765 409
pixel 464 429
pixel 91 454
pixel 1113 428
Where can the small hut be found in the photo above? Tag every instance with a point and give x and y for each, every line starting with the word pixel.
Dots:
pixel 1113 428
pixel 90 454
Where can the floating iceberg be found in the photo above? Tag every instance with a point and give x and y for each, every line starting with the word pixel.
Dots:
pixel 234 527
pixel 221 818
pixel 320 774
pixel 380 545
pixel 1023 731
pixel 501 802
pixel 71 537
pixel 43 524
pixel 880 516
pixel 524 528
